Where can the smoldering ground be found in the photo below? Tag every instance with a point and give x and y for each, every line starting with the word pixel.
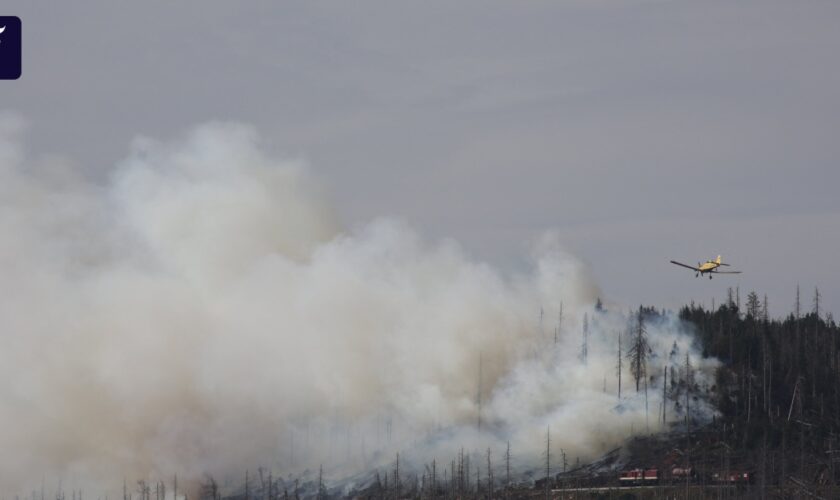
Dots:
pixel 201 311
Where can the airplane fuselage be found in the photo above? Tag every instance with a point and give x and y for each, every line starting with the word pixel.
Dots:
pixel 708 266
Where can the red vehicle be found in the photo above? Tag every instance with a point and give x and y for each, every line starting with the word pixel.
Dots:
pixel 682 472
pixel 638 476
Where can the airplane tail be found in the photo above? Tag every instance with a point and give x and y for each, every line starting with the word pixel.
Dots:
pixel 717 261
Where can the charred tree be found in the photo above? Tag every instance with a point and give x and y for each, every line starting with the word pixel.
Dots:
pixel 639 349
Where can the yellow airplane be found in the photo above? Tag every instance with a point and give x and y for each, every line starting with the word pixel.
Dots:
pixel 710 267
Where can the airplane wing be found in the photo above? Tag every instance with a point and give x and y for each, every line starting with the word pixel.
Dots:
pixel 684 265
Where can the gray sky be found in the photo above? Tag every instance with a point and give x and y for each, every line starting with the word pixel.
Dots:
pixel 639 131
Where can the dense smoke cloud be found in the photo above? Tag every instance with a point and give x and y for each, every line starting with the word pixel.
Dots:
pixel 202 312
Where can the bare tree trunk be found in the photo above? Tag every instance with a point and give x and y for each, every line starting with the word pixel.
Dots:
pixel 489 475
pixel 664 396
pixel 766 404
pixel 764 465
pixel 557 332
pixel 507 470
pixel 749 387
pixel 619 365
pixel 397 477
pixel 647 424
pixel 770 388
pixel 547 461
pixel 478 395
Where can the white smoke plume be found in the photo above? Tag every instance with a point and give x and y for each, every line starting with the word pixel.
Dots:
pixel 202 312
